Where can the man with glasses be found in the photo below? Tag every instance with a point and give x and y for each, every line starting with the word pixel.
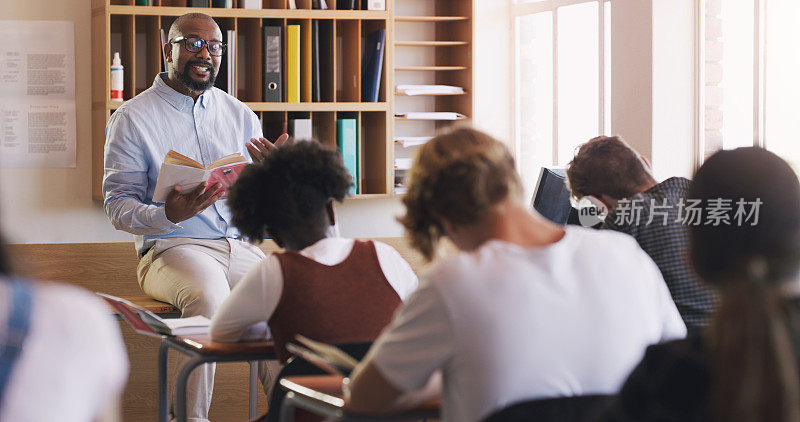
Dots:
pixel 190 255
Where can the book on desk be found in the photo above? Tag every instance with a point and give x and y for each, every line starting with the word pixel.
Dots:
pixel 148 323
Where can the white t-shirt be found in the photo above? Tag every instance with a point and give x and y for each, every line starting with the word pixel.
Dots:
pixel 506 324
pixel 243 315
pixel 73 364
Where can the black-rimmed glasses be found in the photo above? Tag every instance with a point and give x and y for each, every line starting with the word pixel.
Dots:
pixel 195 44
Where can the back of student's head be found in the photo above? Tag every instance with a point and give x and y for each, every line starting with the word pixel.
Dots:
pixel 288 192
pixel 750 260
pixel 606 165
pixel 456 176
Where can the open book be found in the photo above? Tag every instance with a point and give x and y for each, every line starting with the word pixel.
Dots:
pixel 329 358
pixel 178 169
pixel 148 323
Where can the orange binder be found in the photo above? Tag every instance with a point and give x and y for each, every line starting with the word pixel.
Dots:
pixel 306 62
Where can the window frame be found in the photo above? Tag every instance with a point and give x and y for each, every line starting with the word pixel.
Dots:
pixel 542 6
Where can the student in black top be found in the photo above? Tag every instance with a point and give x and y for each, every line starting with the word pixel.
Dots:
pixel 744 365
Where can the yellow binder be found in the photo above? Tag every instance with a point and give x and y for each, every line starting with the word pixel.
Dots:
pixel 305 71
pixel 293 63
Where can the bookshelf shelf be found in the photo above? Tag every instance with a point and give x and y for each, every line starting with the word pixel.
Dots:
pixel 438 120
pixel 430 18
pixel 299 106
pixel 429 68
pixel 445 29
pixel 134 31
pixel 244 13
pixel 428 43
pixel 402 94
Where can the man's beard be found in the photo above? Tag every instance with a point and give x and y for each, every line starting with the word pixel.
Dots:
pixel 194 85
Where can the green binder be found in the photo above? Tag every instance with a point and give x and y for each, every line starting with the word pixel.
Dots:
pixel 347 142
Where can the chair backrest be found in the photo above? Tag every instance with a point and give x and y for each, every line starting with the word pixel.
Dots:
pixel 559 409
pixel 299 366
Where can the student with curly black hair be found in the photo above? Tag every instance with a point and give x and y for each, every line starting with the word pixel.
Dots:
pixel 332 289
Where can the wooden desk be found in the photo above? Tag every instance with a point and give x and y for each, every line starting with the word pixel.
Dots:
pixel 202 350
pixel 322 395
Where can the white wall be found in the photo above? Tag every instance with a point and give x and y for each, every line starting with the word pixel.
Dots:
pixel 652 81
pixel 55 205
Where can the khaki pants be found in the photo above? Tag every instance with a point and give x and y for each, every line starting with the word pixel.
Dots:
pixel 196 275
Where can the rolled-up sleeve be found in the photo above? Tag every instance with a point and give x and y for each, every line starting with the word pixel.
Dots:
pixel 125 182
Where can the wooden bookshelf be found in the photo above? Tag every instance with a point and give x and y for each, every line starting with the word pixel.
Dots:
pixel 433 46
pixel 134 31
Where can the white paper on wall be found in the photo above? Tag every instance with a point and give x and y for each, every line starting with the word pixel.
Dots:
pixel 37 94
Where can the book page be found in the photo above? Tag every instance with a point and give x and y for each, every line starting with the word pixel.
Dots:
pixel 228 159
pixel 331 353
pixel 176 175
pixel 174 157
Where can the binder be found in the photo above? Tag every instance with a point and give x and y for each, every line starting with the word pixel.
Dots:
pixel 198 3
pixel 273 64
pixel 231 64
pixel 293 63
pixel 347 142
pixel 163 55
pixel 346 4
pixel 373 63
pixel 376 4
pixel 301 129
pixel 316 90
pixel 306 62
pixel 226 76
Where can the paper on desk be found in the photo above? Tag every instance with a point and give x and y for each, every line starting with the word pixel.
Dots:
pixel 431 115
pixel 412 141
pixel 428 89
pixel 403 163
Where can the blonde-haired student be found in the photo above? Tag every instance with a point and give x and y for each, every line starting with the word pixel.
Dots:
pixel 528 309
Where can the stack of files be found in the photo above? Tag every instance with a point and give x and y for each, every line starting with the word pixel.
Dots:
pixel 298 79
pixel 431 115
pixel 403 163
pixel 411 141
pixel 428 89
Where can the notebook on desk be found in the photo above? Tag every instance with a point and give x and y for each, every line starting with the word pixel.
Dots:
pixel 150 324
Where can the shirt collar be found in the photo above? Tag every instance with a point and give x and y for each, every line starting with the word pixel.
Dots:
pixel 175 98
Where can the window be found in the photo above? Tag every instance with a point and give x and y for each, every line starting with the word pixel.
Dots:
pixel 749 74
pixel 561 77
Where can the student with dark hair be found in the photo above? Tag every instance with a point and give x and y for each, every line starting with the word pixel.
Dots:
pixel 528 309
pixel 61 352
pixel 744 367
pixel 608 169
pixel 331 289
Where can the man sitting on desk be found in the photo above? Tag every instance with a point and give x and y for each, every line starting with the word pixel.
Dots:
pixel 189 252
pixel 609 170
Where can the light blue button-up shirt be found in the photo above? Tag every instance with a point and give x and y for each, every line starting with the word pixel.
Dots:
pixel 138 136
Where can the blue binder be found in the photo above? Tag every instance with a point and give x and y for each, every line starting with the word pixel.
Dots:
pixel 373 63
